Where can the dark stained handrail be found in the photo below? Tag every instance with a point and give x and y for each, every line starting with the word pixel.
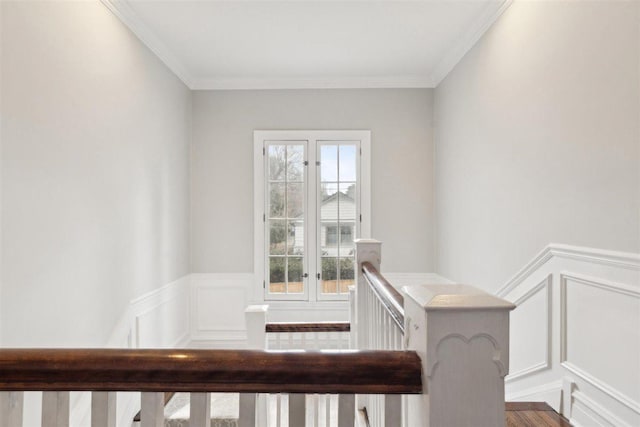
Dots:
pixel 243 371
pixel 275 327
pixel 390 298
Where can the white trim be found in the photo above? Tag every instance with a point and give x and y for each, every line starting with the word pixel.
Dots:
pixel 625 260
pixel 359 82
pixel 309 216
pixel 125 334
pixel 595 411
pixel 606 285
pixel 468 40
pixel 545 364
pixel 123 11
pixel 605 388
pixel 553 387
pixel 259 192
pixel 296 306
pixel 242 283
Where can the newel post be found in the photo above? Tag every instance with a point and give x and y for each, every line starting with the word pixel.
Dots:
pixel 462 337
pixel 367 250
pixel 252 407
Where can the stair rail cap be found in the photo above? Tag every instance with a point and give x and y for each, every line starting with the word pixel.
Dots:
pixel 367 241
pixel 257 308
pixel 455 297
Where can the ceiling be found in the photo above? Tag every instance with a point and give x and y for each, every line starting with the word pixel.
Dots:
pixel 309 44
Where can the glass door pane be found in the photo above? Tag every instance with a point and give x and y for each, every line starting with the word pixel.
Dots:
pixel 285 219
pixel 338 214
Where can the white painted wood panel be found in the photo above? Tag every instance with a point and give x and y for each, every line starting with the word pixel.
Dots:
pixel 212 321
pixel 531 352
pixel 601 330
pixel 594 334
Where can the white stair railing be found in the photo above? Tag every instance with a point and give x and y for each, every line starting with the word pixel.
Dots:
pixel 295 410
pixel 460 333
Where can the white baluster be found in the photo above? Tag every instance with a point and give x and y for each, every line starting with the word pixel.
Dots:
pixel 327 407
pixel 278 410
pixel 297 410
pixel 200 410
pixel 392 410
pixel 387 330
pixel 316 411
pixel 256 320
pixel 247 409
pixel 352 318
pixel 152 412
pixel 11 407
pixel 367 250
pixel 346 410
pixel 55 409
pixel 103 409
pixel 378 324
pixel 252 407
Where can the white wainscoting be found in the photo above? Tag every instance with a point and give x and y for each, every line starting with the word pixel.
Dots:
pixel 158 319
pixel 217 309
pixel 577 325
pixel 218 302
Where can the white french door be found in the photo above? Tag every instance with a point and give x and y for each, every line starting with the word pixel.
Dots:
pixel 310 191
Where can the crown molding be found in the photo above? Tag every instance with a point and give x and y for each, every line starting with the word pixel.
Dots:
pixel 469 39
pixel 124 12
pixel 626 260
pixel 357 82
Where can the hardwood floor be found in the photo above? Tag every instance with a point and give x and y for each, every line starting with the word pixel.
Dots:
pixel 533 414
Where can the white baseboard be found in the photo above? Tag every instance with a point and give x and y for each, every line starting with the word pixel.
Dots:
pixel 550 393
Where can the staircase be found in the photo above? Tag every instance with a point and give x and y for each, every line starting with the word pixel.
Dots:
pixel 435 355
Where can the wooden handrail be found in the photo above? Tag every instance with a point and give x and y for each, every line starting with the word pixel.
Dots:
pixel 244 371
pixel 390 298
pixel 275 327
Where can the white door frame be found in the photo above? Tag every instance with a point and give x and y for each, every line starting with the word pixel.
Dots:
pixel 259 136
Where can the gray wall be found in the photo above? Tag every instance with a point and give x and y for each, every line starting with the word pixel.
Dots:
pixel 222 167
pixel 537 139
pixel 95 180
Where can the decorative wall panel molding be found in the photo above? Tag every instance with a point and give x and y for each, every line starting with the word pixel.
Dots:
pixel 157 319
pixel 217 307
pixel 624 260
pixel 587 302
pixel 611 326
pixel 538 344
